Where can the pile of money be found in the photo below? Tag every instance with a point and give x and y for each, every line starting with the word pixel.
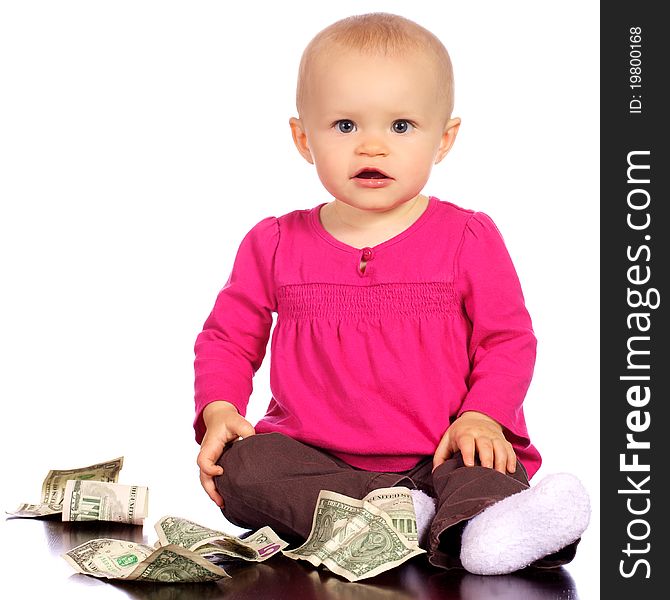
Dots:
pixel 361 538
pixel 89 494
pixel 185 552
pixel 353 538
pixel 120 559
pixel 217 545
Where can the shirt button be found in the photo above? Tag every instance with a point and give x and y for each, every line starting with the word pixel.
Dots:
pixel 368 253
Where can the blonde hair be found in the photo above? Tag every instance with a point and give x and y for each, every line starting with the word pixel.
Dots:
pixel 383 34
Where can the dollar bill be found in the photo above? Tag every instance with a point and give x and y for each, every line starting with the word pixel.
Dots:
pixel 120 559
pixel 104 501
pixel 397 503
pixel 353 538
pixel 53 487
pixel 211 543
pixel 35 510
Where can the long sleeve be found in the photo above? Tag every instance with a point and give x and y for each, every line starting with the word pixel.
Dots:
pixel 502 343
pixel 233 342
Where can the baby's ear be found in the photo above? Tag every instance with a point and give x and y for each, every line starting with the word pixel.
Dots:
pixel 448 138
pixel 300 139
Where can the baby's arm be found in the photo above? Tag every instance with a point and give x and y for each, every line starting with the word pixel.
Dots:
pixel 501 349
pixel 231 347
pixel 223 424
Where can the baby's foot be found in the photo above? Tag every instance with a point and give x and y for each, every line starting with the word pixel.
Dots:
pixel 518 530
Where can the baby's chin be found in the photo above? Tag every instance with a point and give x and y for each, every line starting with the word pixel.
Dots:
pixel 374 201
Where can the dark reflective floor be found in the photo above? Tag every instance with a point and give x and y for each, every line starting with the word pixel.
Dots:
pixel 37 545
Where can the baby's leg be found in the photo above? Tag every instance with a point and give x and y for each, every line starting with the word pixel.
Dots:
pixel 271 479
pixel 464 492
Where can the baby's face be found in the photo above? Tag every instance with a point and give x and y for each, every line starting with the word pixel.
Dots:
pixel 373 112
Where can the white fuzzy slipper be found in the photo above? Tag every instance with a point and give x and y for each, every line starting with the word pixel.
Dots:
pixel 518 530
pixel 424 507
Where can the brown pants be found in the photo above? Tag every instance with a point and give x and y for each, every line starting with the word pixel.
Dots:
pixel 271 479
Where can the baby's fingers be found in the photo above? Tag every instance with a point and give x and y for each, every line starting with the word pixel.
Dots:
pixel 208 466
pixel 501 451
pixel 210 487
pixel 212 469
pixel 511 460
pixel 442 452
pixel 209 454
pixel 466 444
pixel 485 449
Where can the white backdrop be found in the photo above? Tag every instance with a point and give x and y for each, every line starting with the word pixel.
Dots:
pixel 140 141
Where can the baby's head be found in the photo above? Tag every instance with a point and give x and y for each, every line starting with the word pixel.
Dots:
pixel 374 91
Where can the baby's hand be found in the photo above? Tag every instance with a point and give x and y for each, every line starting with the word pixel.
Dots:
pixel 476 431
pixel 224 424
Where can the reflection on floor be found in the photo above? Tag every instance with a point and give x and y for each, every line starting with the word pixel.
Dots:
pixel 283 578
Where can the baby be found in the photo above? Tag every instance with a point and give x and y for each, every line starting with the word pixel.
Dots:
pixel 402 350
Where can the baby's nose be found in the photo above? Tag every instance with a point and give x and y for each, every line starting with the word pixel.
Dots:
pixel 372 146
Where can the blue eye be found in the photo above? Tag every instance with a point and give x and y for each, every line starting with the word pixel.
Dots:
pixel 345 126
pixel 401 126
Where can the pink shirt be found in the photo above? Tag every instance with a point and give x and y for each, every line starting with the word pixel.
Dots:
pixel 373 366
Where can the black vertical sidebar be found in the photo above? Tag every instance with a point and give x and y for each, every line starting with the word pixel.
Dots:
pixel 635 261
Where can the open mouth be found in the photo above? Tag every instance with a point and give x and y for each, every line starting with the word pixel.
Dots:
pixel 371 174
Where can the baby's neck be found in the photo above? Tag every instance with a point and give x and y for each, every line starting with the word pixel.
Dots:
pixel 345 225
